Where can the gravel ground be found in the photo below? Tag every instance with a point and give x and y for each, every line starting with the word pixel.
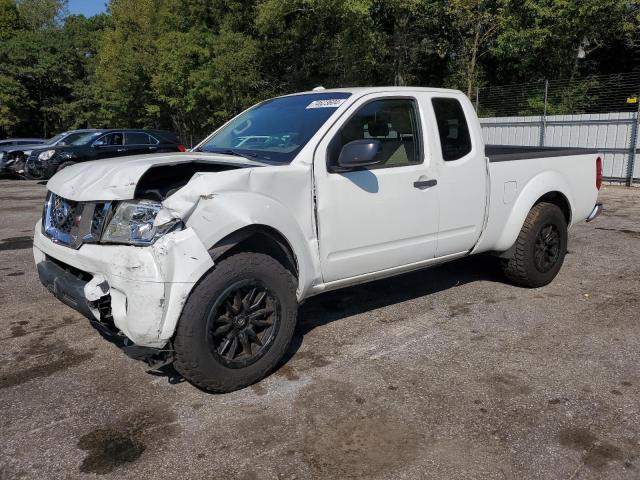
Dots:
pixel 444 373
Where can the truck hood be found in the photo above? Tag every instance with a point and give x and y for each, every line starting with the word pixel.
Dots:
pixel 117 178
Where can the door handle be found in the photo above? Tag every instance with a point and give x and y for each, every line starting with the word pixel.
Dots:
pixel 424 184
pixel 120 150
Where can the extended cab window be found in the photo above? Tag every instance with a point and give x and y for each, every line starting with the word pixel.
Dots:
pixel 393 122
pixel 455 140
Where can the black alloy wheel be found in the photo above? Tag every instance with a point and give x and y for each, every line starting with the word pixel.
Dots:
pixel 237 323
pixel 242 324
pixel 547 248
pixel 539 251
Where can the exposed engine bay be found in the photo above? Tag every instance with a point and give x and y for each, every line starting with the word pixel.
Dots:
pixel 161 181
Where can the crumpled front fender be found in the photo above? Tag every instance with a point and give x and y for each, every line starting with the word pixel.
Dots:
pixel 218 204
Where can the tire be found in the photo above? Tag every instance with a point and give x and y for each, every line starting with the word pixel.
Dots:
pixel 29 175
pixel 540 248
pixel 204 356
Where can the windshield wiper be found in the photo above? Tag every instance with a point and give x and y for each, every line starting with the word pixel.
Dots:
pixel 236 153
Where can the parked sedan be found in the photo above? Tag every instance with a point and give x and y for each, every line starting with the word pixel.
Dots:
pixel 14 157
pixel 43 163
pixel 9 144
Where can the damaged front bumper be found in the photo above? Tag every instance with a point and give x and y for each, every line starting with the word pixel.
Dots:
pixel 133 295
pixel 6 165
pixel 68 286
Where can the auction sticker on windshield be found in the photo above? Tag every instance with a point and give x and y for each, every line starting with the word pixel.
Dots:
pixel 328 103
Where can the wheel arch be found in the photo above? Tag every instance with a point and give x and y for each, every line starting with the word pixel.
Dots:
pixel 258 238
pixel 255 238
pixel 548 186
pixel 560 200
pixel 232 220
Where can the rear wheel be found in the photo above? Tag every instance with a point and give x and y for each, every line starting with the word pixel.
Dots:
pixel 540 248
pixel 237 324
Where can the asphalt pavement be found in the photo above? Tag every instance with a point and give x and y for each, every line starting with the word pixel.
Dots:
pixel 448 373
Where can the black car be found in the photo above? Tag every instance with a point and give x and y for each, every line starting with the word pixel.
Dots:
pixel 10 144
pixel 44 162
pixel 13 159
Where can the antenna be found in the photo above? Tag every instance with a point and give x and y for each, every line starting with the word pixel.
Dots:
pixel 318 88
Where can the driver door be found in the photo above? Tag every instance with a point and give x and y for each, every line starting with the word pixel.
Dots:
pixel 381 217
pixel 109 145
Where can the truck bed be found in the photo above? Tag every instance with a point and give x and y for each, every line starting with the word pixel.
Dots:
pixel 516 185
pixel 505 153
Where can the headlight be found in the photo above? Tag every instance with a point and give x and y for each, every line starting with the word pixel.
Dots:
pixel 46 155
pixel 134 223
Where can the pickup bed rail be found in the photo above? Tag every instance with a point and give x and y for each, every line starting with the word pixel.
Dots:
pixel 505 153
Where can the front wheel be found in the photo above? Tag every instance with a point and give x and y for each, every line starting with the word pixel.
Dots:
pixel 540 248
pixel 33 170
pixel 64 165
pixel 237 324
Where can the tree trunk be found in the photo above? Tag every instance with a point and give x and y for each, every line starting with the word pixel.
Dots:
pixel 400 48
pixel 471 69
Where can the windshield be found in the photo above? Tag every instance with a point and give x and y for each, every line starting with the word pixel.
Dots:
pixel 73 138
pixel 277 129
pixel 56 139
pixel 79 138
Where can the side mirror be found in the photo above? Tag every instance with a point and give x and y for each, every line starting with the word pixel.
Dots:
pixel 359 153
pixel 98 144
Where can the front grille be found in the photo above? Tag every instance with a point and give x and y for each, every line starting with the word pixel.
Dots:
pixel 64 214
pixel 72 223
pixel 100 214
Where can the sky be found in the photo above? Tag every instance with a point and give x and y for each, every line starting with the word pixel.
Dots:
pixel 87 7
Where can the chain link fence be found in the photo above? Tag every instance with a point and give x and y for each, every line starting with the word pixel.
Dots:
pixel 595 112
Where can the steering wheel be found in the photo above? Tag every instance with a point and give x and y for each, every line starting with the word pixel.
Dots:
pixel 240 129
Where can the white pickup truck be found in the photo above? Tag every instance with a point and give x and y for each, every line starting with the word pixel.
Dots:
pixel 202 257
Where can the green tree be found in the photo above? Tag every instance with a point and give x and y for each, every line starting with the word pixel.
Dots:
pixel 474 25
pixel 124 67
pixel 83 37
pixel 411 40
pixel 38 65
pixel 14 104
pixel 555 38
pixel 9 19
pixel 206 67
pixel 42 14
pixel 189 65
pixel 306 43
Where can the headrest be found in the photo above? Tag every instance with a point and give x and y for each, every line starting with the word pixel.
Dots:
pixel 401 121
pixel 378 128
pixel 444 129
